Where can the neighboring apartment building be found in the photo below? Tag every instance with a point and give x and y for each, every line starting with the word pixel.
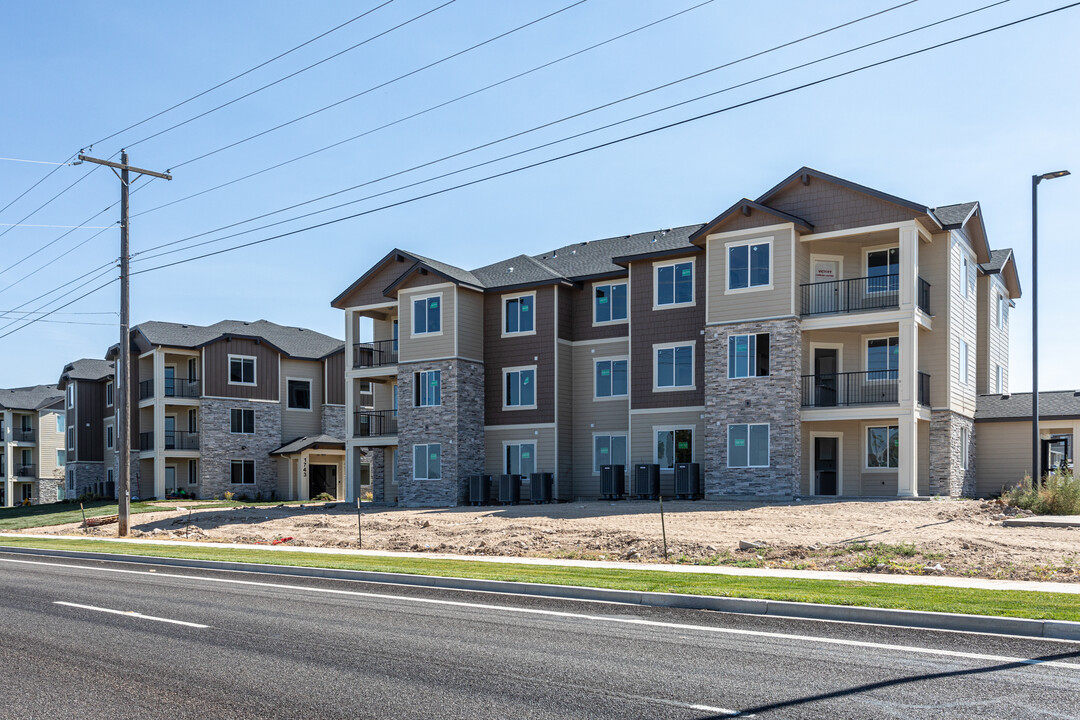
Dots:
pixel 89 404
pixel 32 459
pixel 252 408
pixel 823 339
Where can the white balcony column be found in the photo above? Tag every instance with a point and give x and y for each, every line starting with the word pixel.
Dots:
pixel 907 479
pixel 909 266
pixel 159 423
pixel 350 385
pixel 8 468
pixel 908 371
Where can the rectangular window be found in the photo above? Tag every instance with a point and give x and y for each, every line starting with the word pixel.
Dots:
pixel 883 358
pixel 999 379
pixel 675 366
pixel 192 421
pixel 519 315
pixel 748 265
pixel 610 378
pixel 193 369
pixel 243 472
pixel 883 447
pixel 299 394
pixel 674 445
pixel 109 394
pixel 608 450
pixel 963 363
pixel 242 421
pixel 241 370
pixel 1002 311
pixel 964 448
pixel 71 438
pixel 61 458
pixel 428 389
pixel 71 396
pixel 883 270
pixel 964 276
pixel 427 315
pixel 192 472
pixel 61 423
pixel 675 284
pixel 748 355
pixel 110 437
pixel 110 475
pixel 748 445
pixel 520 388
pixel 26 423
pixel 609 302
pixel 427 462
pixel 520 459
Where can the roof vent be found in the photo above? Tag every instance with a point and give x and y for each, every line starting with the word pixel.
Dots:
pixel 1076 393
pixel 1005 396
pixel 587 242
pixel 509 269
pixel 653 239
pixel 573 252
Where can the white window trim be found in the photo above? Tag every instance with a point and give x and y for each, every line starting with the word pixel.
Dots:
pixel 866 448
pixel 656 285
pixel 727 357
pixel 513 296
pixel 625 435
pixel 670 428
pixel 254 471
pixel 876 248
pixel 416 380
pixel 58 451
pixel 427 445
pixel 311 394
pixel 110 446
pixel 193 463
pixel 838 347
pixel 693 367
pixel 963 361
pixel 71 396
pixel 536 453
pixel 242 410
pixel 839 259
pixel 254 370
pixel 866 350
pixel 612 283
pixel 109 390
pixel 613 358
pixel 536 393
pixel 61 423
pixel 1000 309
pixel 412 320
pixel 839 460
pixel 766 240
pixel 999 379
pixel 768 450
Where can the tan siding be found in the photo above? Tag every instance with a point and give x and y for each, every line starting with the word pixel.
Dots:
pixel 963 319
pixel 993 343
pixel 1002 455
pixel 493 447
pixel 592 416
pixel 856 480
pixel 643 439
pixel 49 441
pixel 216 368
pixel 934 344
pixel 301 423
pixel 565 423
pixel 470 316
pixel 426 347
pixel 733 306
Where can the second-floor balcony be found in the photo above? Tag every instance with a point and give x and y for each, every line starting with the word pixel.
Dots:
pixel 174 440
pixel 375 423
pixel 864 294
pixel 22 470
pixel 377 353
pixel 874 387
pixel 23 434
pixel 173 387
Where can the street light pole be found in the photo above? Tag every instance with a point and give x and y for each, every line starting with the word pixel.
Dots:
pixel 1036 441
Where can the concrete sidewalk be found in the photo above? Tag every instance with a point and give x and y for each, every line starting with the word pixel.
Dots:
pixel 933 580
pixel 1044 521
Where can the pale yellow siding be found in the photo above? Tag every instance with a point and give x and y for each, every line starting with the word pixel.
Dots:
pixel 993 342
pixel 728 306
pixel 49 441
pixel 963 325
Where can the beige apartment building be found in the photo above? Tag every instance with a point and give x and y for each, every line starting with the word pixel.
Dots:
pixel 823 339
pixel 32 428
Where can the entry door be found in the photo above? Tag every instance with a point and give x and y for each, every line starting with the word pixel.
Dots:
pixel 825 377
pixel 825 465
pixel 170 479
pixel 170 432
pixel 827 297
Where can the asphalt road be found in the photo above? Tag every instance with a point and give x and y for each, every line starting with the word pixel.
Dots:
pixel 260 646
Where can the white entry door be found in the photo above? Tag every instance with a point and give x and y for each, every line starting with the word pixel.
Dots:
pixel 170 479
pixel 826 291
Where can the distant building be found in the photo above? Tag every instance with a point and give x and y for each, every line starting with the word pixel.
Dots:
pixel 32 427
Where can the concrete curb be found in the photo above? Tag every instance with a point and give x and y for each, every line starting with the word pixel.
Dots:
pixel 1051 629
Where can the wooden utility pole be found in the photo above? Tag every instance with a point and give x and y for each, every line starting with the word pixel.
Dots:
pixel 123 374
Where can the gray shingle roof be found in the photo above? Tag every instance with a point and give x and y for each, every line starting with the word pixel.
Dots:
pixel 998 258
pixel 309 441
pixel 595 257
pixel 30 398
pixel 88 369
pixel 450 271
pixel 1056 404
pixel 293 341
pixel 516 271
pixel 950 215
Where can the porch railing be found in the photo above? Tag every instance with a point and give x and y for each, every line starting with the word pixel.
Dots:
pixel 879 292
pixel 375 354
pixel 374 423
pixel 924 389
pixel 23 434
pixel 174 440
pixel 174 387
pixel 25 470
pixel 873 387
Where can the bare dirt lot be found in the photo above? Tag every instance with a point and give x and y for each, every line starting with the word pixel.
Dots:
pixel 963 537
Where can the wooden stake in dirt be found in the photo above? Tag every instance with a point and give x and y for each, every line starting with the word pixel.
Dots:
pixel 359 531
pixel 83 511
pixel 663 530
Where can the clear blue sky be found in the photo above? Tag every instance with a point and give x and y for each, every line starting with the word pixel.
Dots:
pixel 971 121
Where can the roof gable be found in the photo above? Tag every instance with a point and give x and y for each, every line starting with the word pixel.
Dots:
pixel 748 214
pixel 368 288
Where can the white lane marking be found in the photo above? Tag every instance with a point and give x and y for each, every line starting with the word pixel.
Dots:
pixel 129 613
pixel 583 616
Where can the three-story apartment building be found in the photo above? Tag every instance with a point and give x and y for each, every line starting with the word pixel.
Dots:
pixel 823 339
pixel 32 429
pixel 88 386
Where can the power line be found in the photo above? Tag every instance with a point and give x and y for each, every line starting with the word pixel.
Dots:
pixel 546 125
pixel 44 315
pixel 47 202
pixel 43 179
pixel 237 77
pixel 379 86
pixel 290 75
pixel 18 308
pixel 434 107
pixel 35 162
pixel 67 304
pixel 57 227
pixel 616 141
pixel 32 312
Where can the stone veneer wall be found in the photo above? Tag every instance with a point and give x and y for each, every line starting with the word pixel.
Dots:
pixel 774 399
pixel 947 474
pixel 457 425
pixel 47 491
pixel 218 447
pixel 376 457
pixel 333 421
pixel 86 474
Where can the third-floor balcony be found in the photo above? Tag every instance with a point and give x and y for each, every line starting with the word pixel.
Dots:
pixel 174 440
pixel 377 353
pixel 25 470
pixel 374 423
pixel 173 387
pixel 864 294
pixel 874 387
pixel 23 434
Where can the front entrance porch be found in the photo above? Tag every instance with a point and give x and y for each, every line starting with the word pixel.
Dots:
pixel 313 466
pixel 865 458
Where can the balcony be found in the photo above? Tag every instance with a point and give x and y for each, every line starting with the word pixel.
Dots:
pixel 378 353
pixel 374 423
pixel 26 470
pixel 865 294
pixel 174 387
pixel 174 440
pixel 23 434
pixel 874 387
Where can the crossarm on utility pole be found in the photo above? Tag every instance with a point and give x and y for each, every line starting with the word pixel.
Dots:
pixel 124 166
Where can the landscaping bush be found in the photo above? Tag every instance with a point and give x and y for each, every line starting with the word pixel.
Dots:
pixel 1059 494
pixel 324 497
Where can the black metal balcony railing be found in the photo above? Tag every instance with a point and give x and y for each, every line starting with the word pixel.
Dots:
pixel 375 354
pixel 374 423
pixel 146 441
pixel 174 387
pixel 146 389
pixel 880 292
pixel 873 387
pixel 23 434
pixel 174 440
pixel 923 299
pixel 26 470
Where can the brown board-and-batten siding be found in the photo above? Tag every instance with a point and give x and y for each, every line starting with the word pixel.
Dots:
pixel 91 432
pixel 216 369
pixel 335 379
pixel 581 305
pixel 519 351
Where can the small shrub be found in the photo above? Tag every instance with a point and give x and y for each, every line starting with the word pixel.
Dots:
pixel 324 497
pixel 229 496
pixel 1059 494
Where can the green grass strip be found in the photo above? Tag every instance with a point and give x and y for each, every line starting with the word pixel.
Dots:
pixel 1007 603
pixel 32 516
